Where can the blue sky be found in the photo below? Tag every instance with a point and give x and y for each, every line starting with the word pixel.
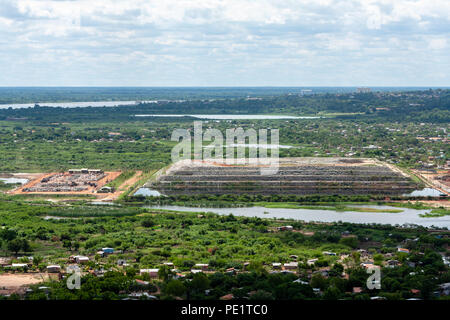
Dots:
pixel 225 43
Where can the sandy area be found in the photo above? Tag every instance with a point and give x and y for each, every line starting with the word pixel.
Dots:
pixel 11 280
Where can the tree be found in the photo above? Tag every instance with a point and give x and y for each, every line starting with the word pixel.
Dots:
pixel 352 242
pixel 164 273
pixel 37 260
pixel 8 234
pixel 148 223
pixel 318 281
pixel 175 288
pixel 15 245
pixel 200 282
pixel 332 293
pixel 67 244
pixel 26 245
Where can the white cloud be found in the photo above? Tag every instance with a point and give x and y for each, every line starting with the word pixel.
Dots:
pixel 269 39
pixel 437 44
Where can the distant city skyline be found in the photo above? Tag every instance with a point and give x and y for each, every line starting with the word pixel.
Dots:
pixel 233 43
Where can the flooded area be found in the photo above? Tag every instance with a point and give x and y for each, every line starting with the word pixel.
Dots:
pixel 407 216
pixel 14 180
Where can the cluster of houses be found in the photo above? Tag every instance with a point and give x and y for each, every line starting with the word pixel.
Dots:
pixel 366 261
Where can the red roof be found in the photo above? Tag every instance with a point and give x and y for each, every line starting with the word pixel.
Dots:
pixel 357 289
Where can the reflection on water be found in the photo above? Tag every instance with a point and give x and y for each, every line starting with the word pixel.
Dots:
pixel 407 216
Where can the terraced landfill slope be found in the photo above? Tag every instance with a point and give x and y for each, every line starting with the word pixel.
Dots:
pixel 299 176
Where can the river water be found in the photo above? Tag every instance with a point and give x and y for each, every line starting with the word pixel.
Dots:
pixel 407 216
pixel 69 104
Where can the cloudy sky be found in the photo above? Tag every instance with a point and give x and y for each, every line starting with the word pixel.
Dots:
pixel 225 43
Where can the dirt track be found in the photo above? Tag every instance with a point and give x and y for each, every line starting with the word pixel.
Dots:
pixel 123 187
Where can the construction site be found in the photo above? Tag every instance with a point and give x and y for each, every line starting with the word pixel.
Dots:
pixel 74 181
pixel 298 176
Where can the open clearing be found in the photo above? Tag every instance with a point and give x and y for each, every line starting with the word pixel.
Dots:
pixel 299 176
pixel 18 282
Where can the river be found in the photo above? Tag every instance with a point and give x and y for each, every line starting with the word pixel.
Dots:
pixel 69 104
pixel 408 216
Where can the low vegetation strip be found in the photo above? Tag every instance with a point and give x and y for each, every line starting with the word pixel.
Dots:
pixel 288 205
pixel 435 213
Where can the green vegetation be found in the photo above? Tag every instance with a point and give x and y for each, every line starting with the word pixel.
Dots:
pixel 43 139
pixel 147 238
pixel 436 213
pixel 46 138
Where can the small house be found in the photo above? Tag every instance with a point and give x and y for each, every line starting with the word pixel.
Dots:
pixel 276 265
pixel 291 265
pixel 54 269
pixel 285 228
pixel 357 289
pixel 392 263
pixel 108 250
pixel 81 259
pixel 231 271
pixel 153 273
pixel 194 271
pixel 202 266
pixel 311 262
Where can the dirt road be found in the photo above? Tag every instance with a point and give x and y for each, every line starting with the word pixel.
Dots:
pixel 123 187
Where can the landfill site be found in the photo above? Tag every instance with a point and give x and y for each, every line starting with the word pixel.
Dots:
pixel 298 176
